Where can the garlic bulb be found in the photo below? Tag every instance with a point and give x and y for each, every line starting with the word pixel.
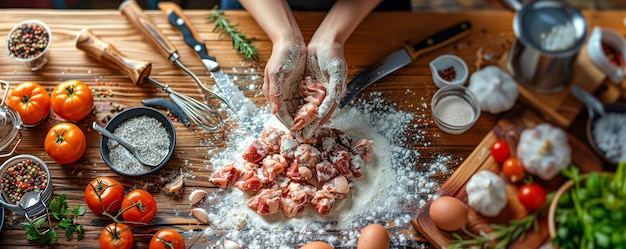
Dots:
pixel 494 89
pixel 486 193
pixel 544 150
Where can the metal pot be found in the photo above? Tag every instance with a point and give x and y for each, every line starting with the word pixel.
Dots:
pixel 10 124
pixel 549 33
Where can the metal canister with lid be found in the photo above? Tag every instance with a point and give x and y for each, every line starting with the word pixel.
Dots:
pixel 10 125
pixel 549 33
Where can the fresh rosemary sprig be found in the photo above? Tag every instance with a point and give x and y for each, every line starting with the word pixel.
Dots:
pixel 516 229
pixel 63 216
pixel 240 42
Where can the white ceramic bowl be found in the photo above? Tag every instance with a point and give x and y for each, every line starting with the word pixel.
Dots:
pixel 594 47
pixel 444 62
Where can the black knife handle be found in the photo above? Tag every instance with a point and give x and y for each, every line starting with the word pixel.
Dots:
pixel 177 19
pixel 169 105
pixel 440 39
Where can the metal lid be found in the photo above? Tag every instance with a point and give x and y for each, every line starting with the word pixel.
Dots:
pixel 10 120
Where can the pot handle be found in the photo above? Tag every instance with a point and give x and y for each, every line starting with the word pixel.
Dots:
pixel 515 5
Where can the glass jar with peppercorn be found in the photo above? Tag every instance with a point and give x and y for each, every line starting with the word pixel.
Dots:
pixel 22 174
pixel 28 43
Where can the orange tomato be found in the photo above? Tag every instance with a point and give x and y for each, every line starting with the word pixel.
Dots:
pixel 139 207
pixel 117 236
pixel 104 193
pixel 31 101
pixel 65 143
pixel 167 239
pixel 72 100
pixel 513 169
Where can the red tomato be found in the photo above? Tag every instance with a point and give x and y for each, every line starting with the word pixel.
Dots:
pixel 65 143
pixel 72 100
pixel 167 239
pixel 500 151
pixel 104 192
pixel 116 236
pixel 31 101
pixel 513 169
pixel 139 207
pixel 532 196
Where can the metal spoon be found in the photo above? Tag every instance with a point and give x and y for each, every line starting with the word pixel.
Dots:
pixel 133 150
pixel 593 104
pixel 30 199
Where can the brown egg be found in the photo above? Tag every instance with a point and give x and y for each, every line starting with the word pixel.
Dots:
pixel 317 245
pixel 448 213
pixel 373 236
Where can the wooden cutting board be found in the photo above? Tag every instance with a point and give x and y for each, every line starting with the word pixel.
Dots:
pixel 509 129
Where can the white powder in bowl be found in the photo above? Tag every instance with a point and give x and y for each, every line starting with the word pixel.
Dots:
pixel 395 184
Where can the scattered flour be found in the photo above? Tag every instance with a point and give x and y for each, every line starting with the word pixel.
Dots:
pixel 395 184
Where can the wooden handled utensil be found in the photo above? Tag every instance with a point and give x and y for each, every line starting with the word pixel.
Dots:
pixel 139 72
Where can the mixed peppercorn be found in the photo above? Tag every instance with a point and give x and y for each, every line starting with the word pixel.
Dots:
pixel 448 74
pixel 22 177
pixel 28 41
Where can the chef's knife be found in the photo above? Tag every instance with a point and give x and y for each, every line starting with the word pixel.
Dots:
pixel 403 57
pixel 243 107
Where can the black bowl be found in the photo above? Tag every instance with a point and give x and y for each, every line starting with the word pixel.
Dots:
pixel 132 113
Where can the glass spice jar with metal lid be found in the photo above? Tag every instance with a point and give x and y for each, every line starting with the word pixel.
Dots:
pixel 20 175
pixel 10 125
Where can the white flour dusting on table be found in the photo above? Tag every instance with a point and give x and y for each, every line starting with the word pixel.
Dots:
pixel 395 184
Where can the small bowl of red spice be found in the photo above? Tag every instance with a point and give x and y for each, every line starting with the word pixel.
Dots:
pixel 449 70
pixel 28 43
pixel 22 174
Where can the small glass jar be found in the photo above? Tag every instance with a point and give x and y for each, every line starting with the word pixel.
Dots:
pixel 30 50
pixel 45 195
pixel 455 109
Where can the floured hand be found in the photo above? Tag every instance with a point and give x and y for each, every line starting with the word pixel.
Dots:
pixel 326 64
pixel 283 74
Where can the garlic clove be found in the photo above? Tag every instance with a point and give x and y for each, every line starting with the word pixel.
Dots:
pixel 197 196
pixel 229 244
pixel 175 185
pixel 201 215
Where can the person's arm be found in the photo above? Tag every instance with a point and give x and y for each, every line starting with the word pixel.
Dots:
pixel 285 68
pixel 342 20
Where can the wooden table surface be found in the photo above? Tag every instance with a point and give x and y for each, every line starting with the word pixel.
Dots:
pixel 378 35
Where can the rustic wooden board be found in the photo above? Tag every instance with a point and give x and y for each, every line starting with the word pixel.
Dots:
pixel 509 129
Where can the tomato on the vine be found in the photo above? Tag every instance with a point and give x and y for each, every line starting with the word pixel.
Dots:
pixel 139 207
pixel 65 143
pixel 532 196
pixel 167 239
pixel 513 169
pixel 104 192
pixel 31 101
pixel 72 100
pixel 500 151
pixel 116 236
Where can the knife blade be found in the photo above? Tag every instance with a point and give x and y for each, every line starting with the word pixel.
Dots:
pixel 243 107
pixel 403 57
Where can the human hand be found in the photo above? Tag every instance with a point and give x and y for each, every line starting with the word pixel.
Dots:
pixel 327 65
pixel 284 72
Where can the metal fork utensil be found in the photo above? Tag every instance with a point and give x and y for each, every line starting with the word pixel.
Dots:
pixel 139 72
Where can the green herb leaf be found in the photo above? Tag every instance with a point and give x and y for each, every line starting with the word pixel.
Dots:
pixel 239 41
pixel 65 218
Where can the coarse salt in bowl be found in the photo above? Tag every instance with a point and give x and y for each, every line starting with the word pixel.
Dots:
pixel 146 128
pixel 455 109
pixel 28 43
pixel 449 70
pixel 24 165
